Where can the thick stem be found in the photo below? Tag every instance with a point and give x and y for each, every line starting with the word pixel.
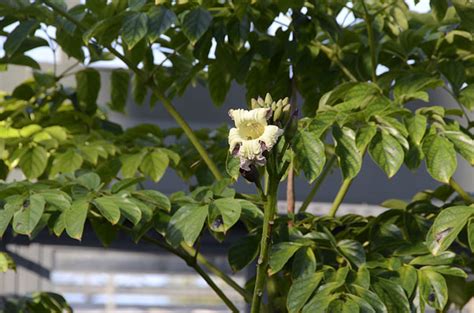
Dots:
pixel 265 245
pixel 321 178
pixel 166 102
pixel 461 192
pixel 290 190
pixel 340 196
pixel 371 36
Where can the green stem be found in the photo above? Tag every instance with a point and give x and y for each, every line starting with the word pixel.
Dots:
pixel 189 133
pixel 188 257
pixel 340 196
pixel 265 244
pixel 216 271
pixel 333 56
pixel 216 288
pixel 166 102
pixel 461 192
pixel 370 33
pixel 318 184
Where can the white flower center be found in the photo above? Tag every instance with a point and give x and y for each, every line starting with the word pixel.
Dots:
pixel 251 130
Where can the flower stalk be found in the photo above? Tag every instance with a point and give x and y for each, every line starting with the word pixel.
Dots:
pixel 265 245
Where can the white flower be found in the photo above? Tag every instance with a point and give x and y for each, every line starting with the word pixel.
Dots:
pixel 252 135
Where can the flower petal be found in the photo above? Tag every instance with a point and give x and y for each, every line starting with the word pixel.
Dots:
pixel 270 136
pixel 243 117
pixel 234 139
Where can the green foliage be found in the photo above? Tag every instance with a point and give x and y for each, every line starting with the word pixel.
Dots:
pixel 80 168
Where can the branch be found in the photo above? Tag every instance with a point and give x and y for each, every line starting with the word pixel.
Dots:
pixel 340 196
pixel 265 244
pixel 190 261
pixel 333 56
pixel 318 184
pixel 159 95
pixel 461 192
pixel 370 33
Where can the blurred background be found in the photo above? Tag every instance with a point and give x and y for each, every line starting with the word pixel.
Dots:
pixel 131 278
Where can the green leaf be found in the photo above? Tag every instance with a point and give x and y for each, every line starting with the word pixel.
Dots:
pixel 304 263
pixel 219 80
pixel 392 295
pixel 109 208
pixel 362 277
pixel 57 198
pixel 463 144
pixel 439 8
pixel 370 297
pixel 445 257
pixel 12 204
pixel 349 157
pixel 105 30
pixel 408 278
pixel 466 96
pixel 130 163
pixel 387 153
pixel 243 252
pixel 280 254
pixel 130 210
pixel 90 180
pixel 446 270
pixel 319 303
pixel 88 87
pixel 104 231
pixel 75 218
pixel 6 262
pixel 364 136
pixel 134 28
pixel 470 232
pixel 440 157
pixel 136 5
pixel 416 126
pixel 446 227
pixel 465 10
pixel 186 224
pixel 18 36
pixel 223 214
pixel 361 305
pixel 160 19
pixel 119 79
pixel 321 122
pixel 301 290
pixel 352 250
pixel 33 162
pixel 195 23
pixel 26 219
pixel 309 153
pixel 433 289
pixel 154 198
pixel 154 164
pixel 67 162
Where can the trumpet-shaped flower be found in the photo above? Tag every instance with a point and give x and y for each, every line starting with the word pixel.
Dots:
pixel 252 136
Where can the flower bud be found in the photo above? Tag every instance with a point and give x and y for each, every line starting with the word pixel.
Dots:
pixel 251 175
pixel 273 106
pixel 254 104
pixel 261 103
pixel 268 99
pixel 277 113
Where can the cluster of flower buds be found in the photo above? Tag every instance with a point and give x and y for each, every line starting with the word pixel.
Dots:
pixel 280 109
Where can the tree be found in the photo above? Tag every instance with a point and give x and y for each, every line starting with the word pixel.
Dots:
pixel 81 168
